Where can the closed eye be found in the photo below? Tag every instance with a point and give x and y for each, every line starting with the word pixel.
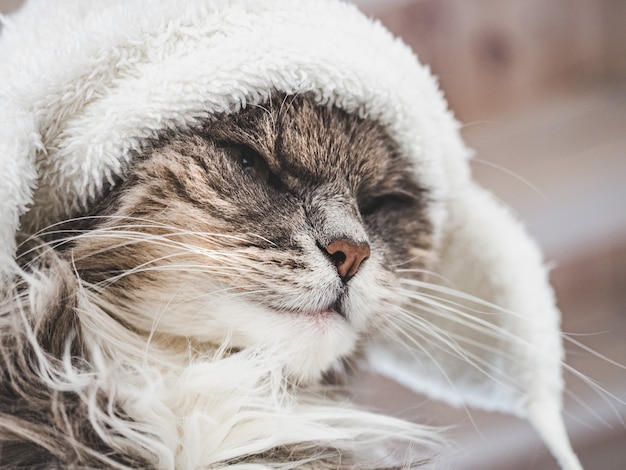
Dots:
pixel 387 202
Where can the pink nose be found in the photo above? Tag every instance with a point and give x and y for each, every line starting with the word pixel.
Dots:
pixel 347 256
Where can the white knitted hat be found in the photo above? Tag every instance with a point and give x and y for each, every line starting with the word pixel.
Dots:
pixel 84 84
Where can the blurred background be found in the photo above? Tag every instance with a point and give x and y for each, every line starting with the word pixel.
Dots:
pixel 541 89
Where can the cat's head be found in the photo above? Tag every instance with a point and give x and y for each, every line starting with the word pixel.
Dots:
pixel 280 227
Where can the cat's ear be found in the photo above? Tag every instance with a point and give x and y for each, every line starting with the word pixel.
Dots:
pixel 483 330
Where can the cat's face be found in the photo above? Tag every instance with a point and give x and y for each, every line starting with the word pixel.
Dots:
pixel 279 227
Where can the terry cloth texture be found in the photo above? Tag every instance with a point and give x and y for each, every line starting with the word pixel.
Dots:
pixel 84 85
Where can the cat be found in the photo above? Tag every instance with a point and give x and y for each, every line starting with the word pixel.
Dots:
pixel 205 311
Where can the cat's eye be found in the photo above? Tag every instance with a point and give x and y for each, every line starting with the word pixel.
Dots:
pixel 387 202
pixel 250 161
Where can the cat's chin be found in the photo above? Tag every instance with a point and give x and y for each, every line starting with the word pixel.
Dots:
pixel 306 343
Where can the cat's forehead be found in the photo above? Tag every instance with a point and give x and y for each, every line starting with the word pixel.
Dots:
pixel 313 142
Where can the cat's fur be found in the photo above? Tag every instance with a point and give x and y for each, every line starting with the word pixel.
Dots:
pixel 194 316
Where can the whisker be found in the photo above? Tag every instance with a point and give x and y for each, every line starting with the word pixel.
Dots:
pixel 516 176
pixel 593 352
pixel 450 345
pixel 469 318
pixel 396 338
pixel 588 408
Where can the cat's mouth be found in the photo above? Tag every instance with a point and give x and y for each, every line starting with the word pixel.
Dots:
pixel 334 309
pixel 329 312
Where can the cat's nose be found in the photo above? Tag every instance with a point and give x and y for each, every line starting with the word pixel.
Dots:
pixel 347 256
